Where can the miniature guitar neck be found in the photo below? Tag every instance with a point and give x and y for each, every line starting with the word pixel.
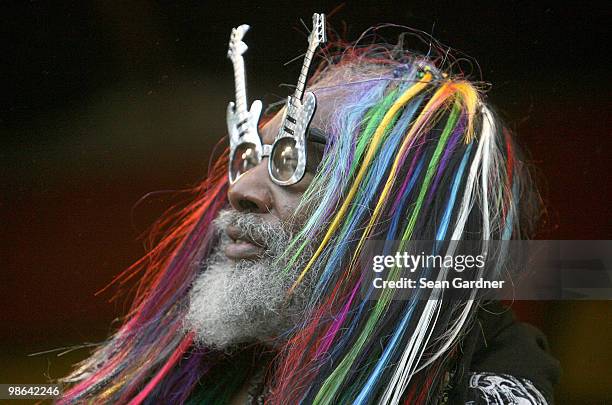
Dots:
pixel 236 49
pixel 316 37
pixel 301 84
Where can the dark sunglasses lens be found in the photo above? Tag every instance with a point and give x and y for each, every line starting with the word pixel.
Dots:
pixel 284 159
pixel 245 158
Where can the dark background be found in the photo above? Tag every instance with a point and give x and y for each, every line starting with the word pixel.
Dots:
pixel 105 102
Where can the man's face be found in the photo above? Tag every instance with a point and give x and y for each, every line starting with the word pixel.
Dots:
pixel 240 294
pixel 255 192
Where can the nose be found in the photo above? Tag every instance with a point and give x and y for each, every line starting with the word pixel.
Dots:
pixel 251 191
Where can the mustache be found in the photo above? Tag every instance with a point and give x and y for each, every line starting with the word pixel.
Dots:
pixel 272 236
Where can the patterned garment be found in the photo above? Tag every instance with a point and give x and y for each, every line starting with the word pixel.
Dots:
pixel 503 389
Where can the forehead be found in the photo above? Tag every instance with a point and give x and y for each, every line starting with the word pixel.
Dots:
pixel 333 88
pixel 327 102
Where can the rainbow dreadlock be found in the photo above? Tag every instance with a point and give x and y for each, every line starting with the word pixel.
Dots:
pixel 412 154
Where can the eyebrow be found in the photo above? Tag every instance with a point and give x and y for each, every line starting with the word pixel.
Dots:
pixel 317 135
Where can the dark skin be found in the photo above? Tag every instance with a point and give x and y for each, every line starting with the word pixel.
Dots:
pixel 255 192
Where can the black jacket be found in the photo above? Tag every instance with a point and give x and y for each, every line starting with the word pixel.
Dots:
pixel 503 361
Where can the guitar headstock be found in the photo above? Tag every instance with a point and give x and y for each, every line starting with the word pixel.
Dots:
pixel 317 35
pixel 236 46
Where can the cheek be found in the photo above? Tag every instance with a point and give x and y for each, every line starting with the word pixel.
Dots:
pixel 287 199
pixel 287 203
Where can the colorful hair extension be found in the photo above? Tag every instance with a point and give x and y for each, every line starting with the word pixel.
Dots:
pixel 151 340
pixel 446 178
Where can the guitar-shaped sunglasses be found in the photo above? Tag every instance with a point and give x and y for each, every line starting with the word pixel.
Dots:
pixel 245 143
pixel 288 153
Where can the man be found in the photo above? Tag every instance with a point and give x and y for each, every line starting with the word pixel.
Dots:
pixel 259 291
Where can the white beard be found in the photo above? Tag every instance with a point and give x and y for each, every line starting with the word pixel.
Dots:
pixel 234 302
